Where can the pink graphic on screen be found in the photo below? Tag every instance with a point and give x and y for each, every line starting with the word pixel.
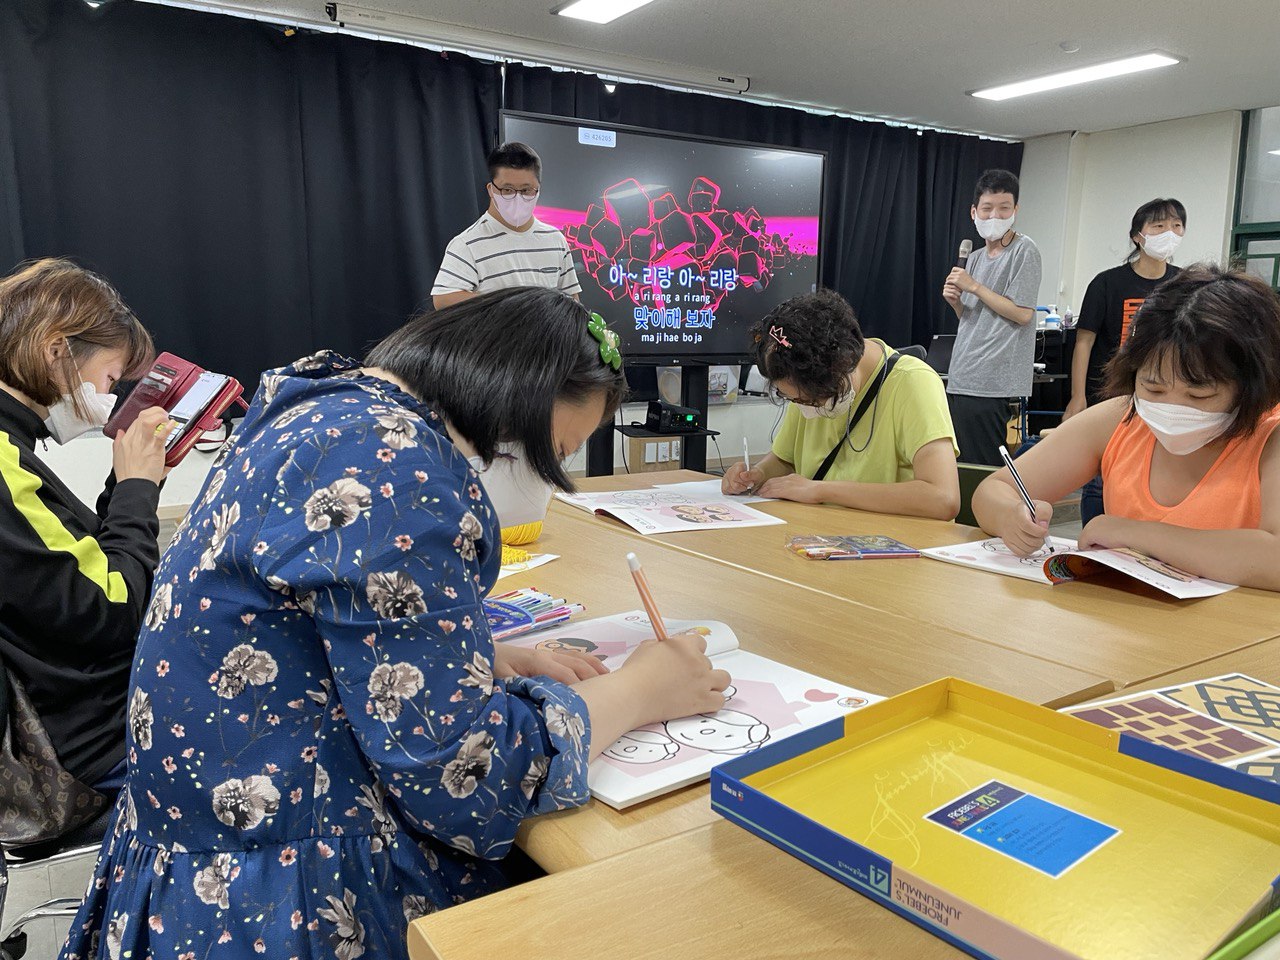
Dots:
pixel 643 246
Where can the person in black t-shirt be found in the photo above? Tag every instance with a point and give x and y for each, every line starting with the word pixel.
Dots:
pixel 1111 303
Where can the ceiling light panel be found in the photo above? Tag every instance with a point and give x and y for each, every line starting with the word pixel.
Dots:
pixel 1070 78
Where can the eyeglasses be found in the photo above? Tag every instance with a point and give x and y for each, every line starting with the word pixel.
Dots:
pixel 779 398
pixel 528 193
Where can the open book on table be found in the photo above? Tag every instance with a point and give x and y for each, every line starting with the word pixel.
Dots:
pixel 1066 562
pixel 767 702
pixel 668 510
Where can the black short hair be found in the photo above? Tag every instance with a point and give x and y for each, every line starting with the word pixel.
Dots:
pixel 1161 208
pixel 995 181
pixel 1216 326
pixel 515 156
pixel 813 340
pixel 495 365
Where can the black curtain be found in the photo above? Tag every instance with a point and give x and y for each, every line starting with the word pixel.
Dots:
pixel 254 196
pixel 896 203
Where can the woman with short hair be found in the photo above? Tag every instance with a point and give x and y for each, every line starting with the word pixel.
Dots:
pixel 325 742
pixel 76 581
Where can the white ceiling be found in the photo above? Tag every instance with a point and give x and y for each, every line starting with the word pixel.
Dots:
pixel 913 60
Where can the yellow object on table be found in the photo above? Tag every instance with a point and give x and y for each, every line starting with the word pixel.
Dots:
pixel 513 538
pixel 520 535
pixel 1012 829
pixel 514 555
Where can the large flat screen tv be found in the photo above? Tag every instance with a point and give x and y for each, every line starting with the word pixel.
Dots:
pixel 680 242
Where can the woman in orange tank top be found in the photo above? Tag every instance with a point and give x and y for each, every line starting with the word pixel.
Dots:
pixel 1188 445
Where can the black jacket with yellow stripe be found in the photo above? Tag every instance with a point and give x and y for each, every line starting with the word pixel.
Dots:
pixel 74 587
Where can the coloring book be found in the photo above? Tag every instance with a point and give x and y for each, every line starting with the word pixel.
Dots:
pixel 1064 562
pixel 671 510
pixel 767 702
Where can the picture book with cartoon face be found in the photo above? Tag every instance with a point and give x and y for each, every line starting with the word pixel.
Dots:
pixel 766 702
pixel 677 508
pixel 1060 560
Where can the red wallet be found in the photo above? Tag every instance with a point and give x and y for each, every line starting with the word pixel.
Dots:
pixel 194 397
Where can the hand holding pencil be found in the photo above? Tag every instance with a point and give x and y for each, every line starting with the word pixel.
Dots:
pixel 662 679
pixel 686 650
pixel 1029 528
pixel 691 643
pixel 740 478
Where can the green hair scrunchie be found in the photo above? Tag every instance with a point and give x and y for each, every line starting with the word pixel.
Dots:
pixel 609 352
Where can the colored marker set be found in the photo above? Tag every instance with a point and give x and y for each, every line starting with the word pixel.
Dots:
pixel 521 611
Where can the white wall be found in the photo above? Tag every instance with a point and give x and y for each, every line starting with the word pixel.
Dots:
pixel 1043 207
pixel 1079 192
pixel 1194 160
pixel 83 465
pixel 752 418
pixel 1068 295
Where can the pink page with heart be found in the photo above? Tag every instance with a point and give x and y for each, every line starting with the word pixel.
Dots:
pixel 766 701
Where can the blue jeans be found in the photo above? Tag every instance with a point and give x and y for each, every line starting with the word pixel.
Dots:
pixel 1091 500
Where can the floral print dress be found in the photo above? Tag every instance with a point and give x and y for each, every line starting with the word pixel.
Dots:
pixel 319 751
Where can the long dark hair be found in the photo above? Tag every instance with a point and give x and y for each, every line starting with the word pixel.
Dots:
pixel 1161 208
pixel 495 365
pixel 1216 326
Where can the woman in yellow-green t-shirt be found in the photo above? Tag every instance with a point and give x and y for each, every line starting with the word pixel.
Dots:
pixel 892 453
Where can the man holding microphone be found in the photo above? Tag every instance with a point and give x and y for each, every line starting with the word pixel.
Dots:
pixel 994 296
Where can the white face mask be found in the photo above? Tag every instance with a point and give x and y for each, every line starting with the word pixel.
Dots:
pixel 1161 245
pixel 65 424
pixel 993 228
pixel 1182 430
pixel 516 210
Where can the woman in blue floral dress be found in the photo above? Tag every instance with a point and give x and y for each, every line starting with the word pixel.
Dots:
pixel 323 741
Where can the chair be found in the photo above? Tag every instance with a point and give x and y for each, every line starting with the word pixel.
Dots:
pixel 63 867
pixel 913 350
pixel 971 474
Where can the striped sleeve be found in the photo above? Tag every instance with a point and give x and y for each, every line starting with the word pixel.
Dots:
pixel 457 269
pixel 568 275
pixel 89 588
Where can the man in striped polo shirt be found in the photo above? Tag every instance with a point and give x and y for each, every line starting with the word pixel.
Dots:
pixel 508 246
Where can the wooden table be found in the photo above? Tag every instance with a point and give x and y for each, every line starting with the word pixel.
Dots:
pixel 717 892
pixel 858 646
pixel 1260 661
pixel 1111 625
pixel 669 878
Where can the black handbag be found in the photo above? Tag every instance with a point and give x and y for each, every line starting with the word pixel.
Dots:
pixel 39 799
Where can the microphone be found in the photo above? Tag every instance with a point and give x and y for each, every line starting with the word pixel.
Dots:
pixel 966 248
